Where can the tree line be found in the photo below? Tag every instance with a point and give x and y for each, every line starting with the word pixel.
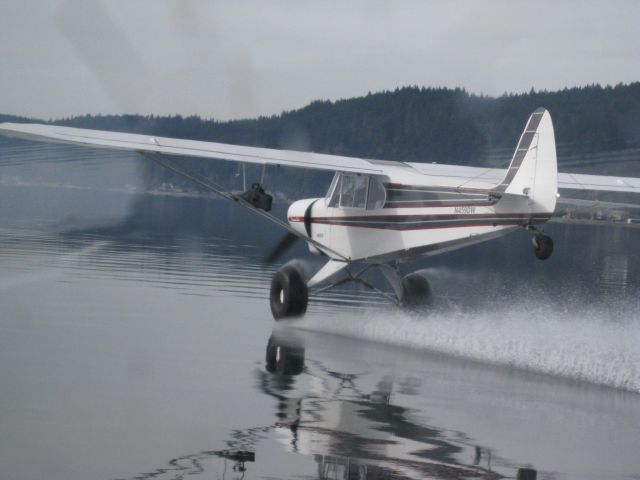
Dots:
pixel 421 125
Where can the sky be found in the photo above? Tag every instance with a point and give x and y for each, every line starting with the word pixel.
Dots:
pixel 227 59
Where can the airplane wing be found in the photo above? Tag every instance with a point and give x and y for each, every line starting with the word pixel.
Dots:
pixel 438 174
pixel 192 148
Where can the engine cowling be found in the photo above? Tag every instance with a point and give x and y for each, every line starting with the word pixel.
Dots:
pixel 299 216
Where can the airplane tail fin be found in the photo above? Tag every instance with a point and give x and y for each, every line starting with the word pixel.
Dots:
pixel 533 171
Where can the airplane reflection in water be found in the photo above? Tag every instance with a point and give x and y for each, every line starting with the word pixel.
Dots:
pixel 349 431
pixel 357 434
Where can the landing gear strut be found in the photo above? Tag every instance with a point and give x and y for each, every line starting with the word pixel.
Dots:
pixel 413 291
pixel 290 294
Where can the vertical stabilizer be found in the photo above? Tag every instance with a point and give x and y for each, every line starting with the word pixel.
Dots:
pixel 533 171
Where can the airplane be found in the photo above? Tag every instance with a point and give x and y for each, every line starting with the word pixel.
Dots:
pixel 376 212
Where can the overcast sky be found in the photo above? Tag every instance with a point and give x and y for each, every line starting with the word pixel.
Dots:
pixel 236 59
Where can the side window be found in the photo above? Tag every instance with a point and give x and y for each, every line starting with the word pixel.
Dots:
pixel 353 191
pixel 377 194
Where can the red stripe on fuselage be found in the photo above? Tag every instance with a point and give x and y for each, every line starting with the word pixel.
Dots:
pixel 457 215
pixel 484 204
pixel 435 227
pixel 439 221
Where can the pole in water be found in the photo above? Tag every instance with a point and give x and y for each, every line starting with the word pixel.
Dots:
pixel 244 179
pixel 527 474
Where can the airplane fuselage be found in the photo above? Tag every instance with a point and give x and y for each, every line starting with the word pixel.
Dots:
pixel 407 220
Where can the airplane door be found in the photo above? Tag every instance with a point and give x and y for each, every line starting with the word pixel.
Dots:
pixel 351 202
pixel 324 210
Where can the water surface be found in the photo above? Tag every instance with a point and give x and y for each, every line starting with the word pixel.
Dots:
pixel 136 342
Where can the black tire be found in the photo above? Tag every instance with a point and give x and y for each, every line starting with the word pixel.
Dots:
pixel 289 294
pixel 284 357
pixel 416 294
pixel 542 246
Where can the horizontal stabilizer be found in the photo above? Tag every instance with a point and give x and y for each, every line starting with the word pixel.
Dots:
pixel 576 181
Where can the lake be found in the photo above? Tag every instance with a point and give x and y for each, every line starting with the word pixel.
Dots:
pixel 136 341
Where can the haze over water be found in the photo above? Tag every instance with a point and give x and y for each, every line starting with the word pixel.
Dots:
pixel 136 341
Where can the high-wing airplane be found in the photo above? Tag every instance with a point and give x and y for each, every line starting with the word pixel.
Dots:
pixel 378 212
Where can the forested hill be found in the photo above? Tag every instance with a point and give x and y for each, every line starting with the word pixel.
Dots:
pixel 425 124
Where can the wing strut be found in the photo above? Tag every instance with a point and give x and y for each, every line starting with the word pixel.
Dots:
pixel 220 191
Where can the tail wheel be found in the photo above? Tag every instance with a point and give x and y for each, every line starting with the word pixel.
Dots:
pixel 542 246
pixel 289 294
pixel 416 292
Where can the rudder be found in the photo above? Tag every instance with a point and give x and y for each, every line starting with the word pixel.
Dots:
pixel 533 171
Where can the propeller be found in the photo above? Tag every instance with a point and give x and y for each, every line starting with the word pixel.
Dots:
pixel 289 239
pixel 283 245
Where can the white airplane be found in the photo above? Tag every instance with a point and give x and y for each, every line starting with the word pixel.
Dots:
pixel 378 212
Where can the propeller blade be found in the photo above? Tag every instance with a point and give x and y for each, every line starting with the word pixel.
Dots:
pixel 283 245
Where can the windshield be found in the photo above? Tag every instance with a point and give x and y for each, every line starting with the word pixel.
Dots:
pixel 333 195
pixel 356 191
pixel 353 191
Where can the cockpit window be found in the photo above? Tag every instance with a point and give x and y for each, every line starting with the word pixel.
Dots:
pixel 360 193
pixel 356 191
pixel 353 191
pixel 333 194
pixel 377 194
pixel 334 198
